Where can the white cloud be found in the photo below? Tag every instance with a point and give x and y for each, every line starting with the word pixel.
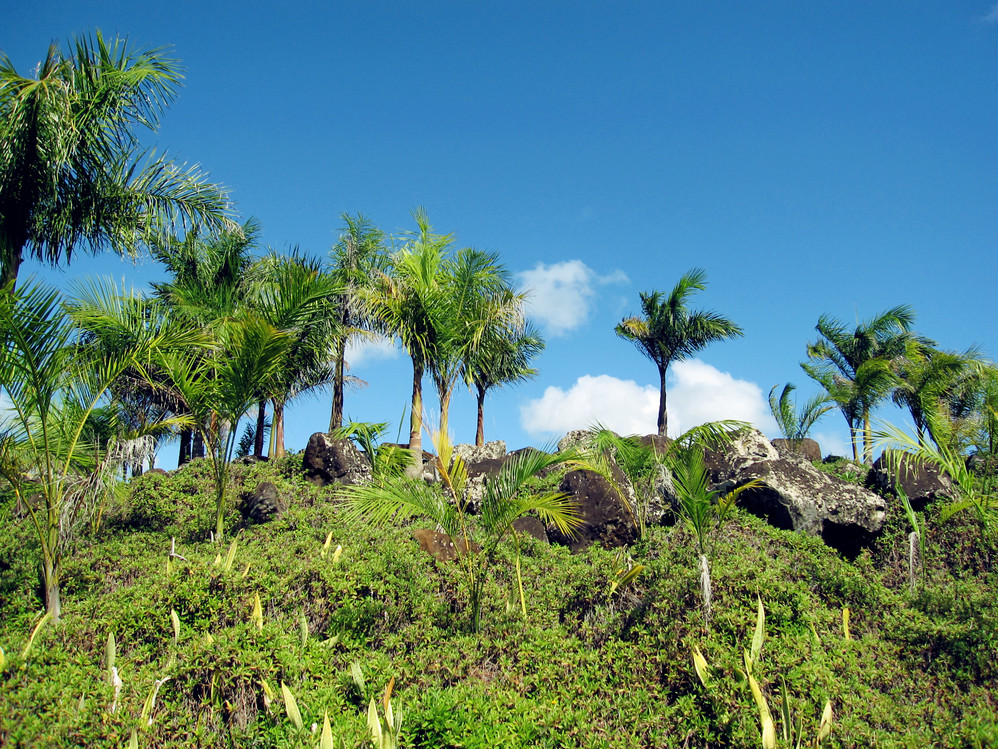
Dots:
pixel 697 393
pixel 992 15
pixel 561 295
pixel 620 405
pixel 366 350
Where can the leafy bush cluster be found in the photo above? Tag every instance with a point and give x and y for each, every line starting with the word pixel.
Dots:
pixel 309 600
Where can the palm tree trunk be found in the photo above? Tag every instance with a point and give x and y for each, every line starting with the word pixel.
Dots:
pixel 444 410
pixel 53 603
pixel 197 448
pixel 261 425
pixel 480 431
pixel 854 437
pixel 663 414
pixel 415 468
pixel 336 416
pixel 186 435
pixel 867 438
pixel 277 429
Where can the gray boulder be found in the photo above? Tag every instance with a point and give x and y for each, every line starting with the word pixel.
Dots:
pixel 806 449
pixel 262 504
pixel 922 483
pixel 796 496
pixel 605 516
pixel 334 461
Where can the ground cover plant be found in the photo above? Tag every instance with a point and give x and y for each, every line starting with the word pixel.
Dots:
pixel 308 619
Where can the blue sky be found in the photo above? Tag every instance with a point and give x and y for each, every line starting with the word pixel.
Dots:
pixel 813 157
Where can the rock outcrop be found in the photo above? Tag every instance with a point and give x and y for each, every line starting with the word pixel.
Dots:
pixel 330 461
pixel 922 483
pixel 796 496
pixel 605 516
pixel 806 449
pixel 262 504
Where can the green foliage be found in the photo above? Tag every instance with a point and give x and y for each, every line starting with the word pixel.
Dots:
pixel 795 425
pixel 587 667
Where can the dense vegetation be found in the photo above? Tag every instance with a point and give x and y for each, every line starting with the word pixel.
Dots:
pixel 168 621
pixel 590 664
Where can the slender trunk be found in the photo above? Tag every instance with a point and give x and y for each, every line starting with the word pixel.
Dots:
pixel 663 414
pixel 336 416
pixel 10 262
pixel 415 469
pixel 480 431
pixel 197 448
pixel 854 437
pixel 705 589
pixel 261 427
pixel 444 410
pixel 867 438
pixel 53 605
pixel 277 428
pixel 185 446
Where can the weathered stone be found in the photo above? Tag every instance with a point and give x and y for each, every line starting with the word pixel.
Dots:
pixel 796 496
pixel 922 483
pixel 579 439
pixel 489 451
pixel 605 516
pixel 441 546
pixel 531 526
pixel 262 504
pixel 806 449
pixel 328 460
pixel 656 442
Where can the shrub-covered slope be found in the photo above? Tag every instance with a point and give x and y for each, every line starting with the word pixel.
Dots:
pixel 589 666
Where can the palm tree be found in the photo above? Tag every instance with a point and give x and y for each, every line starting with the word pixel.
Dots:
pixel 209 284
pixel 857 367
pixel 293 293
pixel 404 305
pixel 56 383
pixel 477 299
pixel 70 170
pixel 358 257
pixel 795 424
pixel 503 357
pixel 218 387
pixel 926 378
pixel 668 331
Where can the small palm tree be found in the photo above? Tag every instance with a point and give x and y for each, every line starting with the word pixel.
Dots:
pixel 56 383
pixel 504 501
pixel 795 424
pixel 668 331
pixel 856 366
pixel 704 511
pixel 71 171
pixel 502 358
pixel 358 258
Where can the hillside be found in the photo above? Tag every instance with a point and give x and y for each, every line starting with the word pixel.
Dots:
pixel 590 665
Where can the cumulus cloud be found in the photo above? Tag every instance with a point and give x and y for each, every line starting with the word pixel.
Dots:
pixel 366 350
pixel 697 393
pixel 561 295
pixel 620 405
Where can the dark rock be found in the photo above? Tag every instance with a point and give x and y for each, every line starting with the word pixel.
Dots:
pixel 248 460
pixel 262 504
pixel 605 516
pixel 656 442
pixel 531 526
pixel 796 496
pixel 923 483
pixel 441 546
pixel 806 449
pixel 328 461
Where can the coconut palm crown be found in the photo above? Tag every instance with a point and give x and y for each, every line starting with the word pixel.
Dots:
pixel 668 331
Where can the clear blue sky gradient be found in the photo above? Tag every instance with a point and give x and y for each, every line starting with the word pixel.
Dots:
pixel 813 157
